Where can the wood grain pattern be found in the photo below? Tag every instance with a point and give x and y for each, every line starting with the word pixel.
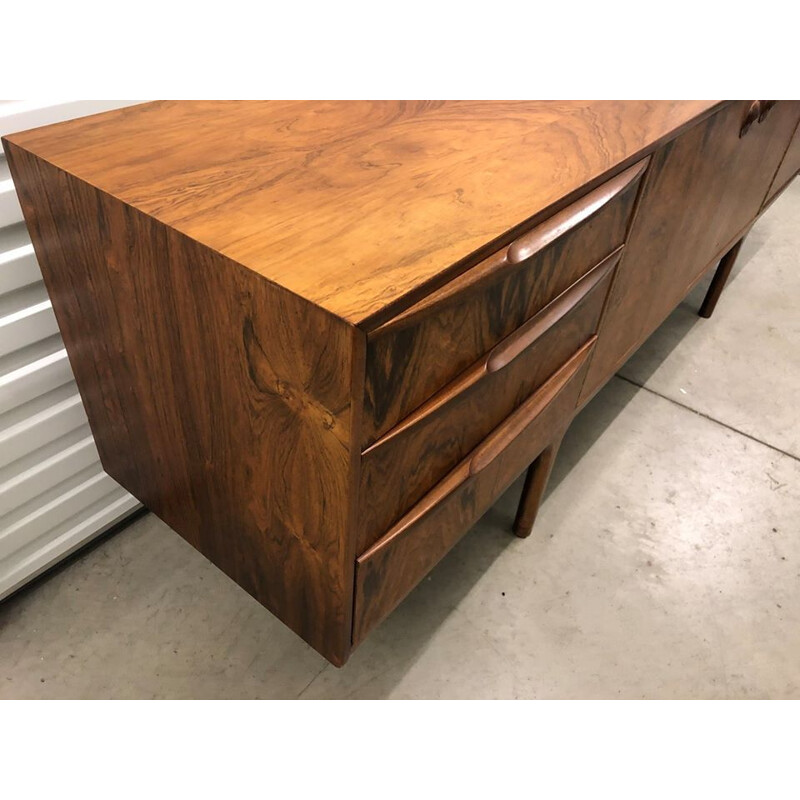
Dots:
pixel 702 191
pixel 220 401
pixel 402 466
pixel 412 357
pixel 357 207
pixel 394 565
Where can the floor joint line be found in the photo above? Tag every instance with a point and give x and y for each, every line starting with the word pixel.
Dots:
pixel 710 418
pixel 308 685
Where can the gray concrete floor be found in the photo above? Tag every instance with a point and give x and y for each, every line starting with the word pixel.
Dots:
pixel 665 562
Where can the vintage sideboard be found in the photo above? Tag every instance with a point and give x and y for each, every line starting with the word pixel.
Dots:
pixel 320 339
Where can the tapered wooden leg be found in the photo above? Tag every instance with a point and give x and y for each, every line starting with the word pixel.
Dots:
pixel 535 483
pixel 720 279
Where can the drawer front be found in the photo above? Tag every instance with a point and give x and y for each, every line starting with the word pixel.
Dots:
pixel 395 564
pixel 701 193
pixel 416 454
pixel 414 355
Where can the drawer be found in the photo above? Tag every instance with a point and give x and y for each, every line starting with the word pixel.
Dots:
pixel 396 563
pixel 398 469
pixel 415 354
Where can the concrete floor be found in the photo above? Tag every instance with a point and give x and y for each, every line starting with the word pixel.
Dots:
pixel 665 562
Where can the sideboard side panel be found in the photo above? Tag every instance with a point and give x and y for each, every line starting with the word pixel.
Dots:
pixel 219 400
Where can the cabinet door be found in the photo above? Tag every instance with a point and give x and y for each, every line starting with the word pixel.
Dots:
pixel 789 167
pixel 701 192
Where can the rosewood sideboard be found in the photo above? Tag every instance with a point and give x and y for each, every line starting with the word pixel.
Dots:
pixel 320 339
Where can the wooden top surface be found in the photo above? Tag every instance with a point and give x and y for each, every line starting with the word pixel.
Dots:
pixel 357 206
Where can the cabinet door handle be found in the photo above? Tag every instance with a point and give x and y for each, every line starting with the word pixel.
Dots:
pixel 502 436
pixel 766 107
pixel 750 117
pixel 516 343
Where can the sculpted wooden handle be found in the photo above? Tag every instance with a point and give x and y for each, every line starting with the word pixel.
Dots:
pixel 570 217
pixel 521 339
pixel 750 117
pixel 491 448
pixel 502 436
